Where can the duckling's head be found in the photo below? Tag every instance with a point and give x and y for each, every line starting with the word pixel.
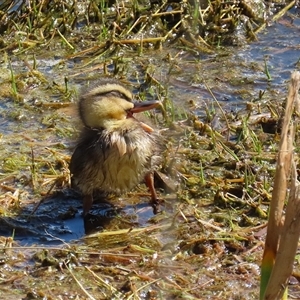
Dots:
pixel 105 104
pixel 109 106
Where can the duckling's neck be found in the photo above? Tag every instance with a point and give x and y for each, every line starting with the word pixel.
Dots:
pixel 120 125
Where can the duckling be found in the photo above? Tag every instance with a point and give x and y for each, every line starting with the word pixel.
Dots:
pixel 115 151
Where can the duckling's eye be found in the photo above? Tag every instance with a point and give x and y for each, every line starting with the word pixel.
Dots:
pixel 117 94
pixel 121 95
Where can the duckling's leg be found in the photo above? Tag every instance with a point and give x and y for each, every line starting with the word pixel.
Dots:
pixel 87 204
pixel 149 181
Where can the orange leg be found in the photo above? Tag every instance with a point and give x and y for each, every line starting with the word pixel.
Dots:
pixel 87 204
pixel 149 180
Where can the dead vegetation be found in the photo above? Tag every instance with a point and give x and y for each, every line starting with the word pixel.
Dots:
pixel 207 244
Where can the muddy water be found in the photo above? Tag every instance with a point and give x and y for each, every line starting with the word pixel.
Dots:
pixel 238 75
pixel 235 76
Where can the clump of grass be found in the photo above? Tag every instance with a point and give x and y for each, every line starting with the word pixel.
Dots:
pixel 198 26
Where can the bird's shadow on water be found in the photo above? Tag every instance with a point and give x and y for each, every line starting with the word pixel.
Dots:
pixel 58 219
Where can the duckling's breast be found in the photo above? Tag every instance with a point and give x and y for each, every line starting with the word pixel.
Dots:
pixel 113 162
pixel 127 161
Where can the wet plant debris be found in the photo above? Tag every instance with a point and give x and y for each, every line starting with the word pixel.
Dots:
pixel 221 119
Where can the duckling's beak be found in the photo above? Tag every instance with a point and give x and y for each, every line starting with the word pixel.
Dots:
pixel 143 106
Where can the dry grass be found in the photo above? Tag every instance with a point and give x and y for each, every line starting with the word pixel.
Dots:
pixel 208 242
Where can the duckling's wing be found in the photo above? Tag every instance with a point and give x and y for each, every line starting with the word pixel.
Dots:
pixel 88 154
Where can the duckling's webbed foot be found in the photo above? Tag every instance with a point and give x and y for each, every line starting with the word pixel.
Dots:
pixel 149 181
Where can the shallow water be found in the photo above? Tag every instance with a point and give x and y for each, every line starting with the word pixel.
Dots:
pixel 235 76
pixel 239 74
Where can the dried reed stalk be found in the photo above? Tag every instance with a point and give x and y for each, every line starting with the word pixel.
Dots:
pixel 283 235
